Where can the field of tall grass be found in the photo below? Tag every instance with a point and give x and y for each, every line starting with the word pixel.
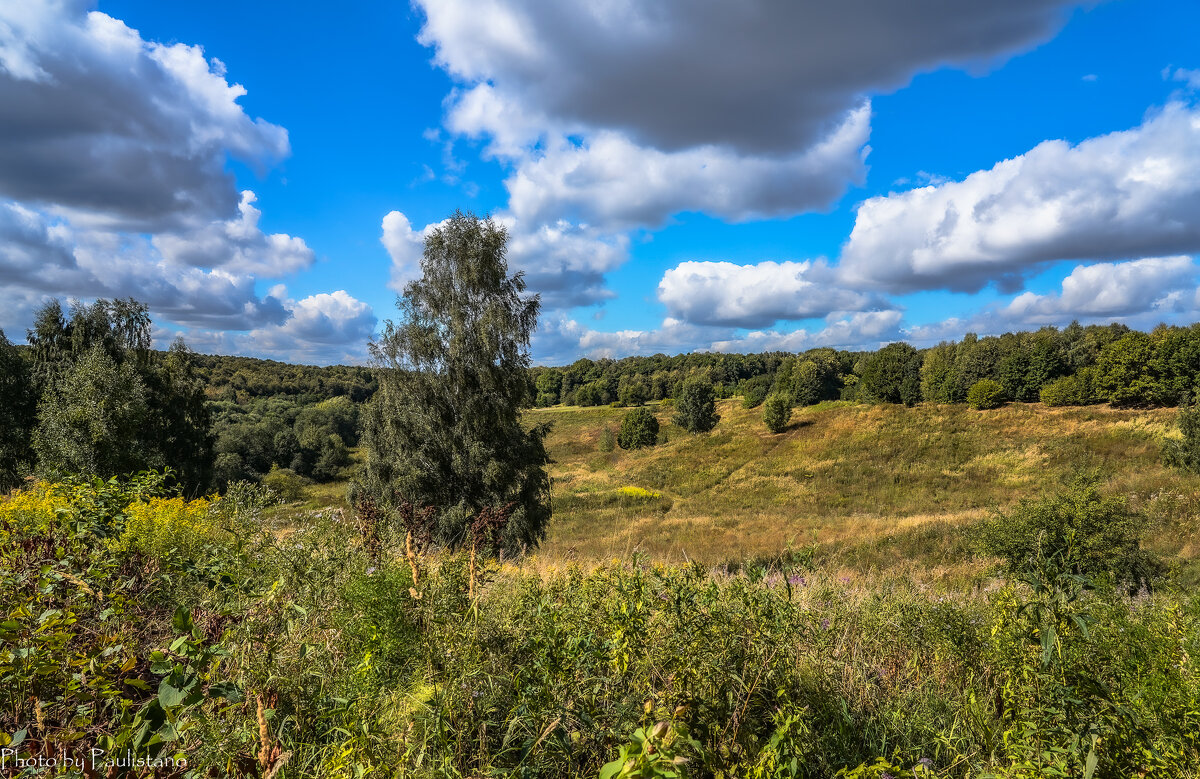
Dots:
pixel 876 592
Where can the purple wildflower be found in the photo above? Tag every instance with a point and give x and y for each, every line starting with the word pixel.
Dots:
pixel 798 580
pixel 825 624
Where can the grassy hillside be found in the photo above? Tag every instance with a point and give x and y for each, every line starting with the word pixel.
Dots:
pixel 877 485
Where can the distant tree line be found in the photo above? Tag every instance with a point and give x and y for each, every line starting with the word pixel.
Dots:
pixel 311 440
pixel 1075 365
pixel 89 395
pixel 241 379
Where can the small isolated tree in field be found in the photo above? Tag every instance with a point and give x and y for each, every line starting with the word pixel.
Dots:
pixel 776 413
pixel 985 394
pixel 639 428
pixel 444 429
pixel 696 408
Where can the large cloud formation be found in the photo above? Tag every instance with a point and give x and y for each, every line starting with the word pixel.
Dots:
pixel 757 76
pixel 614 116
pixel 113 183
pixel 118 131
pixel 1128 194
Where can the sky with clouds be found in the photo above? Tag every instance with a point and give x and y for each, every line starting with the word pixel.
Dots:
pixel 673 176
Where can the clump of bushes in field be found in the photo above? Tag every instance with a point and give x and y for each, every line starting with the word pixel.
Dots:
pixel 347 646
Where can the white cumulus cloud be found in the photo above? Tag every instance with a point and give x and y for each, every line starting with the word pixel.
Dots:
pixel 754 296
pixel 1128 194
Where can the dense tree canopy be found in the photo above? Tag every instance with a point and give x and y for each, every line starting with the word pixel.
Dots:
pixel 109 405
pixel 444 428
pixel 17 407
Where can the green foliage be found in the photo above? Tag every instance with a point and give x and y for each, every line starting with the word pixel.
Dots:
pixel 1126 373
pixel 695 407
pixel 937 374
pixel 1078 389
pixel 444 429
pixel 17 407
pixel 633 391
pixel 191 633
pixel 754 391
pixel 892 375
pixel 777 412
pixel 639 429
pixel 312 440
pixel 652 753
pixel 286 483
pixel 246 379
pixel 93 420
pixel 1076 531
pixel 108 404
pixel 1184 452
pixel 549 385
pixel 986 394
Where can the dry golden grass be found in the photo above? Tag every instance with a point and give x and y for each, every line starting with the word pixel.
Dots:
pixel 882 483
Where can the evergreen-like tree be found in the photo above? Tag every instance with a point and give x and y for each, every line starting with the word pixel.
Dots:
pixel 695 408
pixel 444 429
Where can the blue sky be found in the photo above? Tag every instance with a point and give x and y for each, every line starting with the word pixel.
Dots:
pixel 761 175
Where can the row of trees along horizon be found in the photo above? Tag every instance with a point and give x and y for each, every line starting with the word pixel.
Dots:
pixel 89 395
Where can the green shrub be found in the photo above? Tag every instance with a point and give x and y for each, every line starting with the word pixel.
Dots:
pixel 1075 390
pixel 286 482
pixel 1077 531
pixel 638 429
pixel 755 390
pixel 1184 452
pixel 695 408
pixel 776 413
pixel 985 394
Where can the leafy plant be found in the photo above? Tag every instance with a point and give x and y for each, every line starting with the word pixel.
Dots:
pixel 695 407
pixel 639 429
pixel 986 394
pixel 777 412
